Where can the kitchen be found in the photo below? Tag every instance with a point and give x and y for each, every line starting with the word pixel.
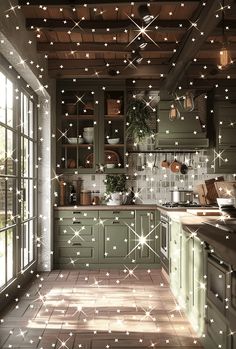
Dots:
pixel 117 174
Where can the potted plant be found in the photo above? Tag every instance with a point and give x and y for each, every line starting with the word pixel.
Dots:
pixel 115 187
pixel 138 115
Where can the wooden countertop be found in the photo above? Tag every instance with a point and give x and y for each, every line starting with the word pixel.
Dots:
pixel 108 208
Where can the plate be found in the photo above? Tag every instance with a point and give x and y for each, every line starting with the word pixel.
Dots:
pixel 111 157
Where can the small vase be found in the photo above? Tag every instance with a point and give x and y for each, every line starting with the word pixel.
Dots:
pixel 116 199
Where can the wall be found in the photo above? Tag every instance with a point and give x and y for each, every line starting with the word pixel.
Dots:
pixel 153 184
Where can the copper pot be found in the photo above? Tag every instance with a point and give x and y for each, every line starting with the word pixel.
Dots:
pixel 165 163
pixel 175 166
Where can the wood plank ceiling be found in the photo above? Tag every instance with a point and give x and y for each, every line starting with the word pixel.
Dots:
pixel 101 39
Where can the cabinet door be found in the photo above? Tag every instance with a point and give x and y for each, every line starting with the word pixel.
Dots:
pixel 194 283
pixel 112 136
pixel 216 282
pixel 175 253
pixel 77 128
pixel 145 237
pixel 117 241
pixel 217 332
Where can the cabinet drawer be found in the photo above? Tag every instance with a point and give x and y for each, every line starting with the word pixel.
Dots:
pixel 74 214
pixel 75 254
pixel 76 221
pixel 113 214
pixel 216 328
pixel 77 232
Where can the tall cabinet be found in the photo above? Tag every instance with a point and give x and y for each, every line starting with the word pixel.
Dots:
pixel 90 126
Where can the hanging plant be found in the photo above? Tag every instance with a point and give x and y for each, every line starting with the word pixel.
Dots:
pixel 137 116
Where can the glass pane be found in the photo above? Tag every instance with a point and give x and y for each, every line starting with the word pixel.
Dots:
pixel 2 98
pixel 2 202
pixel 9 103
pixel 10 155
pixel 31 159
pixel 11 190
pixel 31 240
pixel 25 200
pixel 31 120
pixel 26 157
pixel 26 116
pixel 31 198
pixel 10 261
pixel 2 149
pixel 25 244
pixel 2 258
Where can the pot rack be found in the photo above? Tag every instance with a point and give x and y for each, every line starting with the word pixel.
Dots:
pixel 162 151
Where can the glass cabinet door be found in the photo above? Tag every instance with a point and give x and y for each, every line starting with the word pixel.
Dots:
pixel 77 134
pixel 113 148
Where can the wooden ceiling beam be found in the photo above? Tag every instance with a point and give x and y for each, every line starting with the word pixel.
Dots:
pixel 193 41
pixel 91 3
pixel 120 48
pixel 97 26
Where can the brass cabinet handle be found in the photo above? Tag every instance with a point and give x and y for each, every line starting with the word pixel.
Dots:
pixel 76 212
pixel 116 212
pixel 77 244
pixel 76 222
pixel 115 222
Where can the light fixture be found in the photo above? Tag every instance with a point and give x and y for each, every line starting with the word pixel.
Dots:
pixel 174 113
pixel 145 14
pixel 188 104
pixel 136 57
pixel 225 59
pixel 142 43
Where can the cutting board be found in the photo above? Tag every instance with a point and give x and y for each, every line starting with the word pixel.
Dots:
pixel 226 189
pixel 204 212
pixel 201 194
pixel 211 189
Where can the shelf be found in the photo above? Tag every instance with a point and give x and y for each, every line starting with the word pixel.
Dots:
pixel 114 117
pixel 83 145
pixel 79 117
pixel 114 145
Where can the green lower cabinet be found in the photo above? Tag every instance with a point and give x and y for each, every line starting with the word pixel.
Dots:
pixel 76 244
pixel 217 334
pixel 116 241
pixel 187 274
pixel 146 237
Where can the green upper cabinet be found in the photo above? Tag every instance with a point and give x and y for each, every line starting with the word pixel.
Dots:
pixel 188 130
pixel 90 127
pixel 222 157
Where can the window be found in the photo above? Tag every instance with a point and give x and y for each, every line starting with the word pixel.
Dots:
pixel 18 178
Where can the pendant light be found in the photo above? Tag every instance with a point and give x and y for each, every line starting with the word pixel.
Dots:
pixel 174 113
pixel 188 104
pixel 225 59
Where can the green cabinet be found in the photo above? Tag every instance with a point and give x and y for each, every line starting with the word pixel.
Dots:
pixel 116 243
pixel 106 238
pixel 222 157
pixel 76 242
pixel 90 127
pixel 146 237
pixel 187 274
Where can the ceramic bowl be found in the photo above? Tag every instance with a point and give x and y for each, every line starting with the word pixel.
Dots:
pixel 72 140
pixel 110 165
pixel 80 140
pixel 88 138
pixel 89 129
pixel 113 140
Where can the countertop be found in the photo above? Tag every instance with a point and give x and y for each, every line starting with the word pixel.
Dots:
pixel 108 207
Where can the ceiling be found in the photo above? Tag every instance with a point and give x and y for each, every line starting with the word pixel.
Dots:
pixel 102 38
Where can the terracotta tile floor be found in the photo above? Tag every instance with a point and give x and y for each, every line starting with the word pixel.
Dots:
pixel 97 310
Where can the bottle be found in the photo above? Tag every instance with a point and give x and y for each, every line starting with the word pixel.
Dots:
pixel 72 195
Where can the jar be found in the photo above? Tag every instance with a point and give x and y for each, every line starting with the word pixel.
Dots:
pixel 85 197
